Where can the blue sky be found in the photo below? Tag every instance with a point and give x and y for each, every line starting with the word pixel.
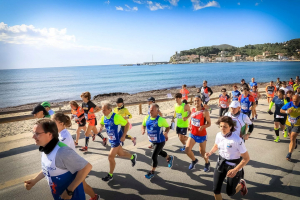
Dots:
pixel 98 32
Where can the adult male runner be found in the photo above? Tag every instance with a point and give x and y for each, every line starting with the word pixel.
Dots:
pixel 235 93
pixel 206 92
pixel 292 109
pixel 182 113
pixel 270 90
pixel 116 134
pixel 252 84
pixel 247 102
pixel 244 84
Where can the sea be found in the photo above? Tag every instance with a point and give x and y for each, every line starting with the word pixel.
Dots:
pixel 23 86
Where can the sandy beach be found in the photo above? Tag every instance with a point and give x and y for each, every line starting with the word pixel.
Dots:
pixel 167 108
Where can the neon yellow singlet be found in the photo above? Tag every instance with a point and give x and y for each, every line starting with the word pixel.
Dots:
pixel 180 114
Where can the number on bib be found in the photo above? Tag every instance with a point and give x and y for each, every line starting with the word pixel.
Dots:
pixel 195 122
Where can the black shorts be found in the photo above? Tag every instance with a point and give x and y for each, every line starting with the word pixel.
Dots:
pixel 82 123
pixel 247 113
pixel 182 131
pixel 281 120
pixel 205 102
pixel 295 129
pixel 256 102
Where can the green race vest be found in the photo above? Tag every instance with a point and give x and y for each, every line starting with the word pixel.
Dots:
pixel 180 114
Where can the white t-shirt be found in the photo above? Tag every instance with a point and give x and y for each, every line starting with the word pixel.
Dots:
pixel 241 122
pixel 231 147
pixel 285 89
pixel 65 137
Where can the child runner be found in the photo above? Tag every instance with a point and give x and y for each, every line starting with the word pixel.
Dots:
pixel 78 114
pixel 224 102
pixel 256 96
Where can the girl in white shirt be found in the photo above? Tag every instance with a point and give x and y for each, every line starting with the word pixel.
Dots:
pixel 231 149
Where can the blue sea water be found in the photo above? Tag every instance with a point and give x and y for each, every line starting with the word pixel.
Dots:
pixel 22 86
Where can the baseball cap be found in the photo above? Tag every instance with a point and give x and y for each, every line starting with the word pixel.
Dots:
pixel 46 104
pixel 39 108
pixel 234 104
pixel 119 100
pixel 151 99
pixel 242 80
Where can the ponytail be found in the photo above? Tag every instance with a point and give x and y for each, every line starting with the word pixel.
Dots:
pixel 65 119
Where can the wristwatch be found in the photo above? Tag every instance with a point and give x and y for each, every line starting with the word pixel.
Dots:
pixel 70 193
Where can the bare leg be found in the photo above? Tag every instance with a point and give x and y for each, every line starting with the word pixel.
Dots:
pixel 218 197
pixel 123 153
pixel 111 158
pixel 188 149
pixel 202 147
pixel 292 145
pixel 88 189
pixel 183 139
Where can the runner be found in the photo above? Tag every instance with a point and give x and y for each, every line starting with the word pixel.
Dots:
pixel 291 82
pixel 113 124
pixel 64 169
pixel 284 87
pixel 270 90
pixel 252 84
pixel 39 111
pixel 244 84
pixel 78 113
pixel 62 122
pixel 121 110
pixel 296 85
pixel 184 93
pixel 279 118
pixel 206 92
pixel 154 125
pixel 235 93
pixel 151 100
pixel 89 113
pixel 182 113
pixel 297 91
pixel 292 109
pixel 231 150
pixel 241 120
pixel 278 84
pixel 247 102
pixel 224 101
pixel 256 96
pixel 290 94
pixel 200 120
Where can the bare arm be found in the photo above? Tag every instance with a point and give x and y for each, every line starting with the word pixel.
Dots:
pixel 31 182
pixel 212 151
pixel 231 173
pixel 143 129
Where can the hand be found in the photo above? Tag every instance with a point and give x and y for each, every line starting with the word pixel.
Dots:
pixel 65 195
pixel 166 136
pixel 184 118
pixel 143 131
pixel 246 137
pixel 231 173
pixel 29 184
pixel 289 111
pixel 122 139
pixel 207 155
pixel 72 117
pixel 219 105
pixel 189 128
pixel 201 128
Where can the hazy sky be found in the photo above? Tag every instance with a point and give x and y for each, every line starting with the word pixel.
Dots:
pixel 98 32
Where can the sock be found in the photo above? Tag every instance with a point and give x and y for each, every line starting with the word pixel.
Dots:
pixel 132 157
pixel 110 174
pixel 100 135
pixel 276 131
pixel 87 141
pixel 128 137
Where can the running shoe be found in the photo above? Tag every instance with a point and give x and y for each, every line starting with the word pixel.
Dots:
pixel 182 149
pixel 93 137
pixel 107 178
pixel 207 167
pixel 149 175
pixel 97 197
pixel 133 160
pixel 83 149
pixel 255 117
pixel 277 139
pixel 151 146
pixel 170 162
pixel 76 143
pixel 288 156
pixel 210 111
pixel 244 189
pixel 192 165
pixel 296 144
pixel 285 134
pixel 252 119
pixel 134 141
pixel 104 141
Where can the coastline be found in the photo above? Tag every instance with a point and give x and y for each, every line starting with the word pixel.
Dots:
pixel 129 98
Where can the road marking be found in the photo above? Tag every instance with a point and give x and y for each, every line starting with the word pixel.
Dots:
pixel 17 181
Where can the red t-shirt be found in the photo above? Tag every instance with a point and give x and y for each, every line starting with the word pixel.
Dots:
pixel 196 121
pixel 251 98
pixel 184 93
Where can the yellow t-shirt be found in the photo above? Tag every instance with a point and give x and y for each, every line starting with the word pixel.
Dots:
pixel 123 112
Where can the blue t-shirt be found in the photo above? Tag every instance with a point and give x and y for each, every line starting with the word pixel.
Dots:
pixel 279 103
pixel 252 84
pixel 235 95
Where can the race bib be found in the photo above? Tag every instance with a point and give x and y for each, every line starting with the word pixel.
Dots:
pixel 178 115
pixel 112 137
pixel 223 106
pixel 270 92
pixel 279 116
pixel 292 120
pixel 86 116
pixel 244 107
pixel 75 116
pixel 152 138
pixel 195 122
pixel 183 95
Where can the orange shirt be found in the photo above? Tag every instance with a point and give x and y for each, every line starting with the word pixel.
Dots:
pixel 270 90
pixel 184 93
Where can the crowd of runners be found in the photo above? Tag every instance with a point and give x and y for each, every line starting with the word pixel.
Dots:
pixel 66 171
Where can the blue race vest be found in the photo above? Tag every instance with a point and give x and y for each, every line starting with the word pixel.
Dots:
pixel 235 95
pixel 114 131
pixel 155 133
pixel 245 104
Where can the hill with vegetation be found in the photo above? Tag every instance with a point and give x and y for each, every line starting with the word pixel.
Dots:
pixel 288 48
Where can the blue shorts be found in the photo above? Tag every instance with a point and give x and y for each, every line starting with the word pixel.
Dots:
pixel 182 131
pixel 198 139
pixel 115 143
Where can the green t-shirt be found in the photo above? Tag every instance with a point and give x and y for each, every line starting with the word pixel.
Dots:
pixel 162 122
pixel 118 120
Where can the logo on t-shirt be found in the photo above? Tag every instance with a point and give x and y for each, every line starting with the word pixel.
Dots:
pixel 229 145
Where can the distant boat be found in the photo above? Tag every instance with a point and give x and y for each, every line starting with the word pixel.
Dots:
pixel 152 64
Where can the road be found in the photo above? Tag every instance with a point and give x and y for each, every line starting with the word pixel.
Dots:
pixel 268 174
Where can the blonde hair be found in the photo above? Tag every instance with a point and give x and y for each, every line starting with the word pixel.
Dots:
pixel 86 95
pixel 74 103
pixel 65 119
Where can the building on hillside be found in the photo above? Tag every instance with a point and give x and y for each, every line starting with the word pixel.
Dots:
pixel 236 57
pixel 266 53
pixel 280 56
pixel 249 58
pixel 204 59
pixel 298 51
pixel 259 58
pixel 223 53
pixel 190 58
pixel 229 59
pixel 221 59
